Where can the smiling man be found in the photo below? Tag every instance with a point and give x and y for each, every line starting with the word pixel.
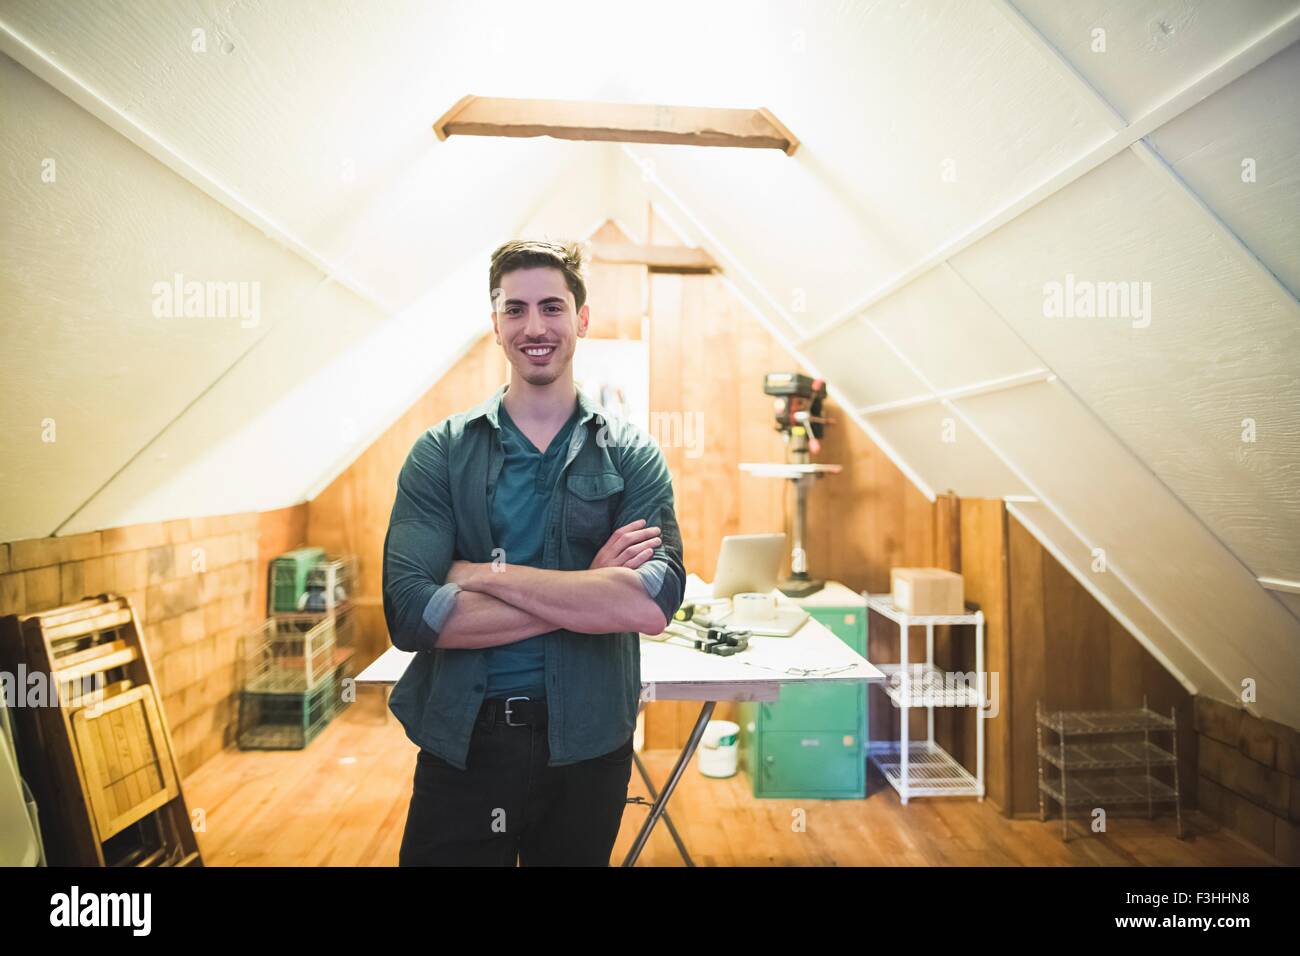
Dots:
pixel 531 539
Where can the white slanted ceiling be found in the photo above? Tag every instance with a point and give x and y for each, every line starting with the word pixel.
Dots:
pixel 955 160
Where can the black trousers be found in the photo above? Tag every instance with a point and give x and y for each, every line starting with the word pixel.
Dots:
pixel 509 807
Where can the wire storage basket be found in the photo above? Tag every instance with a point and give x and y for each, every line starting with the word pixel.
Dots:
pixel 293 669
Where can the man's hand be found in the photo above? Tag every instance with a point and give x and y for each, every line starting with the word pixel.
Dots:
pixel 462 573
pixel 628 547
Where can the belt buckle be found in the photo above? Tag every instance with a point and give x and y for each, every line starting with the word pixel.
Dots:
pixel 509 722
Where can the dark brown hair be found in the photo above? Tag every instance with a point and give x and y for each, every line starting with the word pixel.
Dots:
pixel 539 253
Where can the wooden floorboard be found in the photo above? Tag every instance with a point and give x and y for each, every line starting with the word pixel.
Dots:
pixel 343 802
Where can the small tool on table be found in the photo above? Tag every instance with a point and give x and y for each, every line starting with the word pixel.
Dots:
pixel 691 622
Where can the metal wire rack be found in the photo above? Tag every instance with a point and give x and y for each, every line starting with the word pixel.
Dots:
pixel 1101 774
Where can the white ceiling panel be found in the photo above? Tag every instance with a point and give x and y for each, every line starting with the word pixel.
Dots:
pixel 1168 558
pixel 863 367
pixel 1240 151
pixel 1152 48
pixel 952 337
pixel 946 453
pixel 1185 380
pixel 247 444
pixel 80 258
pixel 775 214
pixel 432 216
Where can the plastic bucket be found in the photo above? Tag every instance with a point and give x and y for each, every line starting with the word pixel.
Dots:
pixel 719 748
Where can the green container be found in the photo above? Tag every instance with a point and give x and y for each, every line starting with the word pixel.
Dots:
pixel 287 721
pixel 849 624
pixel 289 578
pixel 815 707
pixel 811 742
pixel 810 764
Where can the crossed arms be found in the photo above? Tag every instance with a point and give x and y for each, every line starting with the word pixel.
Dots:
pixel 432 599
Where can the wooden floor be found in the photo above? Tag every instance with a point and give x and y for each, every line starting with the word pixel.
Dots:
pixel 343 801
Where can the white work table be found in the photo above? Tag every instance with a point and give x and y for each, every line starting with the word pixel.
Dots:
pixel 671 671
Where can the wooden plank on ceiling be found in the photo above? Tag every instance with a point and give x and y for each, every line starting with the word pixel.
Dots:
pixel 616 122
pixel 656 258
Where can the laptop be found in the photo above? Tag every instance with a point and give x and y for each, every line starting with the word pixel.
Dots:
pixel 752 562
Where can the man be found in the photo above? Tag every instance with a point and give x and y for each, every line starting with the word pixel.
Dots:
pixel 531 539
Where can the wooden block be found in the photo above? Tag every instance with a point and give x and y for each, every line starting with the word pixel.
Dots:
pixel 4 558
pixel 135 537
pixel 230 524
pixel 1288 749
pixel 1216 719
pixel 13 593
pixel 173 598
pixel 1210 799
pixel 234 614
pixel 35 553
pixel 43 552
pixel 191 627
pixel 178 530
pixel 43 587
pixel 168 633
pixel 153 643
pixel 1255 824
pixel 179 669
pixel 1254 741
pixel 1286 842
pixel 1244 777
pixel 71 582
pixel 95 574
pixel 159 564
pixel 130 571
pixel 211 616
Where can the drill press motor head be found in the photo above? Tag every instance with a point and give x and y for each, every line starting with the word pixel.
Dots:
pixel 798 407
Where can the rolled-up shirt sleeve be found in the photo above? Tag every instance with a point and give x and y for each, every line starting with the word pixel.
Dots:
pixel 418 548
pixel 648 494
pixel 653 575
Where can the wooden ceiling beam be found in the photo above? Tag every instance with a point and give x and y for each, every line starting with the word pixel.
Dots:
pixel 680 259
pixel 616 123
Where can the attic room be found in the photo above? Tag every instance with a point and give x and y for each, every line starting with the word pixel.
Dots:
pixel 871 441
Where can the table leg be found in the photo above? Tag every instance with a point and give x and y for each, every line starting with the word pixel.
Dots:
pixel 661 802
pixel 668 820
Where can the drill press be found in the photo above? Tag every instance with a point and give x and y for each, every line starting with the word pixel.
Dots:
pixel 797 402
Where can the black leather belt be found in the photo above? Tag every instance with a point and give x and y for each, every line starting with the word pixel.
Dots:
pixel 513 711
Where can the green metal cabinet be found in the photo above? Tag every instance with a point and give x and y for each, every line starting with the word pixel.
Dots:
pixel 811 742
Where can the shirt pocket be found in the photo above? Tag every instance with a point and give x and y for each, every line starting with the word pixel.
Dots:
pixel 590 504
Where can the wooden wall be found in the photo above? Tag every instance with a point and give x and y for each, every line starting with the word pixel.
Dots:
pixel 1249 777
pixel 1067 651
pixel 197 584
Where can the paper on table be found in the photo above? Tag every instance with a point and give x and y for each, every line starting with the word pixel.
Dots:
pixel 806 659
pixel 697 589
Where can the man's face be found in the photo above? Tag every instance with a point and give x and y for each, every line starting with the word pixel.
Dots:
pixel 536 323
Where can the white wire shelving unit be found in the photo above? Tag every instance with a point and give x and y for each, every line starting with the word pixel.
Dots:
pixel 922 768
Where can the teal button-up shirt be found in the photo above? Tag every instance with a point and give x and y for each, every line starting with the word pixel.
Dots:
pixel 612 474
